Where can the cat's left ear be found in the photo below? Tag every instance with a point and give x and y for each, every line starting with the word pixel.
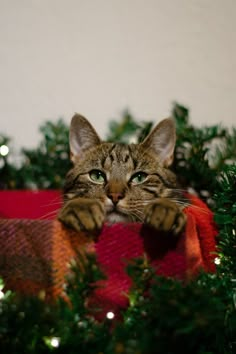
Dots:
pixel 162 140
pixel 82 136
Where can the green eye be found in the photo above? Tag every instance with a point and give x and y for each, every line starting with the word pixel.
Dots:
pixel 138 177
pixel 97 176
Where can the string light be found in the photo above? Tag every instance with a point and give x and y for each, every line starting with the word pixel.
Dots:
pixel 55 342
pixel 133 140
pixel 52 342
pixel 110 315
pixel 1 287
pixel 217 260
pixel 4 150
pixel 1 294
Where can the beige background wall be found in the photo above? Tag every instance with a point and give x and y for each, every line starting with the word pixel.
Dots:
pixel 99 57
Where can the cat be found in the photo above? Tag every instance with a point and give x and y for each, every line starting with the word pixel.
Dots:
pixel 116 182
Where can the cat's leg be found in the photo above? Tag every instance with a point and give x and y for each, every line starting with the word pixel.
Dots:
pixel 83 214
pixel 165 215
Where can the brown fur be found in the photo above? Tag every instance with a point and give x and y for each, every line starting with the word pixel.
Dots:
pixel 122 183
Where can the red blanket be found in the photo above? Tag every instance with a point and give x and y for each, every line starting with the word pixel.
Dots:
pixel 34 254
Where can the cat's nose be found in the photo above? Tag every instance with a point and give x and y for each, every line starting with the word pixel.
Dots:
pixel 115 197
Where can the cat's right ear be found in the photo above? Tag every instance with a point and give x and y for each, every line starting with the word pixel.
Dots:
pixel 162 140
pixel 82 136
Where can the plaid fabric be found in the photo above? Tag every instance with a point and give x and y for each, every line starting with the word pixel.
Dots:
pixel 34 254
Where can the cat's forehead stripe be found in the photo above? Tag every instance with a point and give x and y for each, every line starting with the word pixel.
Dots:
pixel 119 153
pixel 126 154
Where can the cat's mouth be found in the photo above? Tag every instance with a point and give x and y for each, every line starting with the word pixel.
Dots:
pixel 114 215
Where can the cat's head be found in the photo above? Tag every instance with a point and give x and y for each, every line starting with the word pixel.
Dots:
pixel 124 177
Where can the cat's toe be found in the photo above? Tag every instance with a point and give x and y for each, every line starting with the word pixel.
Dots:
pixel 179 224
pixel 80 216
pixel 165 216
pixel 69 219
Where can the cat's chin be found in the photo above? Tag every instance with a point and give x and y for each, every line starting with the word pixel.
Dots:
pixel 116 218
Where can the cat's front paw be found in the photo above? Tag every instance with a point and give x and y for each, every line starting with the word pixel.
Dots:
pixel 83 214
pixel 165 215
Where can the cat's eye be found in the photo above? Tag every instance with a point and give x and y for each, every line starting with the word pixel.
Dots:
pixel 138 177
pixel 97 176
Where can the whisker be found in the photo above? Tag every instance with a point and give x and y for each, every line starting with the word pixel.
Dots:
pixel 182 202
pixel 49 214
pixel 137 213
pixel 137 217
pixel 54 205
pixel 203 210
pixel 134 213
pixel 182 190
pixel 187 204
pixel 53 202
pixel 140 202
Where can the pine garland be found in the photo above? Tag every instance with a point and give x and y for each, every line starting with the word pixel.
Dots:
pixel 225 217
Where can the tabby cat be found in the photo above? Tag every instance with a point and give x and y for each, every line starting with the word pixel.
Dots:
pixel 114 182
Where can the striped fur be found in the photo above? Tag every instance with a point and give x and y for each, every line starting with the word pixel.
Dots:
pixel 121 183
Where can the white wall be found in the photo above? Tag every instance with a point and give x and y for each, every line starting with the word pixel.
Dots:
pixel 99 57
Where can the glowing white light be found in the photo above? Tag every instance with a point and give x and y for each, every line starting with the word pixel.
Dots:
pixel 133 140
pixel 1 295
pixel 233 232
pixel 217 260
pixel 110 315
pixel 4 150
pixel 55 342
